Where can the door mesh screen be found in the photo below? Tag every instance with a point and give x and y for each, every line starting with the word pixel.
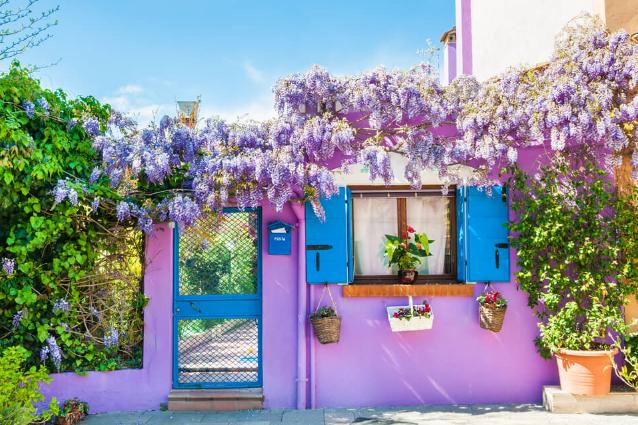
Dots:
pixel 218 350
pixel 218 255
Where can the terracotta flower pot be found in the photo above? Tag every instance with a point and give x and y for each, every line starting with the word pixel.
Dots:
pixel 408 275
pixel 585 372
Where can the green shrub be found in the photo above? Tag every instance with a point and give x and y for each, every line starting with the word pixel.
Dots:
pixel 74 293
pixel 19 389
pixel 573 237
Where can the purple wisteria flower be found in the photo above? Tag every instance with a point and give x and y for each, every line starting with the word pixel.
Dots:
pixel 112 338
pixel 95 204
pixel 8 265
pixel 61 305
pixel 29 108
pixel 62 191
pixel 70 125
pixel 92 127
pixel 44 104
pixel 17 319
pixel 123 211
pixel 51 349
pixel 95 175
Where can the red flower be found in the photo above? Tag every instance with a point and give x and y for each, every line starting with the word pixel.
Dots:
pixel 427 309
pixel 396 315
pixel 410 229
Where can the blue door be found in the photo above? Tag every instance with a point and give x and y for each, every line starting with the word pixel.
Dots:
pixel 217 302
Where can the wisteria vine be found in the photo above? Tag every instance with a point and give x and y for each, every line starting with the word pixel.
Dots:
pixel 583 97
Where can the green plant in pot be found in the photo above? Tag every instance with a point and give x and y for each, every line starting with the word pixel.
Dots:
pixel 407 252
pixel 573 237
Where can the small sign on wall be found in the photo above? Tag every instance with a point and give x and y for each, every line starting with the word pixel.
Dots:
pixel 279 238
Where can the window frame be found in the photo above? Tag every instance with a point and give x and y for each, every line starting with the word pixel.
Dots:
pixel 402 224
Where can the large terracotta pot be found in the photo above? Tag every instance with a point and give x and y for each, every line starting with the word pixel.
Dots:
pixel 585 372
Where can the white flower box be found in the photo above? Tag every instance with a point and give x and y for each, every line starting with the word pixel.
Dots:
pixel 418 323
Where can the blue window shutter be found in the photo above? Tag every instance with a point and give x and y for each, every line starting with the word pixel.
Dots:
pixel 461 232
pixel 487 246
pixel 329 244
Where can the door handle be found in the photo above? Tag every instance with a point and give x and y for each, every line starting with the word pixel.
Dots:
pixel 318 247
pixel 317 263
pixel 502 245
pixel 194 306
pixel 497 257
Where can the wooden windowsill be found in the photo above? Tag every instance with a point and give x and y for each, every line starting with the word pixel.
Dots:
pixel 418 290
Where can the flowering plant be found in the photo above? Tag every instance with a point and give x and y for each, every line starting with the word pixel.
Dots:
pixel 324 312
pixel 407 313
pixel 74 406
pixel 406 251
pixel 492 299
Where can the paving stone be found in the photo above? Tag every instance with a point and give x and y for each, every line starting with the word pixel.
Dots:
pixel 309 417
pixel 521 414
pixel 341 416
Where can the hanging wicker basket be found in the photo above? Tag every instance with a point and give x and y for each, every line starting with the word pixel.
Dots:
pixel 491 318
pixel 327 329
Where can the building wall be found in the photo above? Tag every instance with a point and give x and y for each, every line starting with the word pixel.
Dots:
pixel 507 33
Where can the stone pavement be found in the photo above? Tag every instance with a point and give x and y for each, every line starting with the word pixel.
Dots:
pixel 431 415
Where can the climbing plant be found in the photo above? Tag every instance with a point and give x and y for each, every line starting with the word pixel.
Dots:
pixel 71 275
pixel 576 243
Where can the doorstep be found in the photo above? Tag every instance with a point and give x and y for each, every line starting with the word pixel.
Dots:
pixel 216 399
pixel 558 401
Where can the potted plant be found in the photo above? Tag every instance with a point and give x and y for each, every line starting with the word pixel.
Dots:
pixel 411 317
pixel 407 252
pixel 492 308
pixel 72 412
pixel 326 324
pixel 576 241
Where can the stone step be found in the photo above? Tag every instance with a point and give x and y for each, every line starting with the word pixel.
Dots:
pixel 617 402
pixel 216 399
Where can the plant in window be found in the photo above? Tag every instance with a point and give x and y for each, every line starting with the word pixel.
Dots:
pixel 407 252
pixel 492 308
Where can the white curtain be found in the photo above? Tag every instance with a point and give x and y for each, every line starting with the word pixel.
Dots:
pixel 429 215
pixel 373 219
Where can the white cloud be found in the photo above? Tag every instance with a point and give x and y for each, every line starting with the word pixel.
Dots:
pixel 259 109
pixel 253 74
pixel 130 89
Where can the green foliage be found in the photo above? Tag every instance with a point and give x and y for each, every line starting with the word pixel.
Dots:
pixel 64 253
pixel 574 237
pixel 406 253
pixel 19 389
pixel 628 371
pixel 324 312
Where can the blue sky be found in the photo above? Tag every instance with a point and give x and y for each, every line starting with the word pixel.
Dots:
pixel 143 55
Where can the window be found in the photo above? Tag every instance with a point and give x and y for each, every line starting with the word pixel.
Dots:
pixel 389 210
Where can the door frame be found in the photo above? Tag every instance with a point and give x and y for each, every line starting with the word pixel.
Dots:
pixel 224 313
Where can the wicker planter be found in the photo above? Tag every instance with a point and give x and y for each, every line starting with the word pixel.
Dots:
pixel 71 418
pixel 327 329
pixel 491 317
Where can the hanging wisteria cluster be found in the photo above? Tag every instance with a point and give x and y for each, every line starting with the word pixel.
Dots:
pixel 583 97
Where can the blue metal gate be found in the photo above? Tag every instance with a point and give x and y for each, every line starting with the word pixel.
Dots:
pixel 217 302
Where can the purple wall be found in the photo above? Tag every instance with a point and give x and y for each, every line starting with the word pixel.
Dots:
pixel 455 362
pixel 135 389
